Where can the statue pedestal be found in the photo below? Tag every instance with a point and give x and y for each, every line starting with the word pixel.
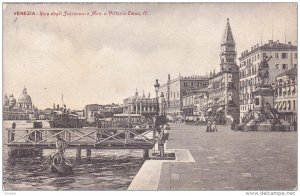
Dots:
pixel 262 95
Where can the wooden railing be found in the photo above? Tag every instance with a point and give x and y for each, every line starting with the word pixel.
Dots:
pixel 82 136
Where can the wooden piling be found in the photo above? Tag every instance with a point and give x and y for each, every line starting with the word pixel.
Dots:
pixel 146 154
pixel 78 153
pixel 88 154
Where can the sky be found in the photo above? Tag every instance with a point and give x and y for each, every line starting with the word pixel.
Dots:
pixel 104 58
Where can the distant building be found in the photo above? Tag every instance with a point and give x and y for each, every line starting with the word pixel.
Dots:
pixel 92 111
pixel 284 57
pixel 223 88
pixel 286 95
pixel 141 105
pixel 193 102
pixel 22 109
pixel 174 90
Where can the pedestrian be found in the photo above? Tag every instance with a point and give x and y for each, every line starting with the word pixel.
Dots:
pixel 161 142
pixel 295 125
pixel 60 146
pixel 208 128
pixel 214 127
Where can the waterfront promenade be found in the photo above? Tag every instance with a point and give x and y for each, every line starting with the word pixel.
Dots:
pixel 228 160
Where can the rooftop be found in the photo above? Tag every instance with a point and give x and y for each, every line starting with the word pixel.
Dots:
pixel 291 72
pixel 271 45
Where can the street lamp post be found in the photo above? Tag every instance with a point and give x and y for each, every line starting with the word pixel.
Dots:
pixel 156 87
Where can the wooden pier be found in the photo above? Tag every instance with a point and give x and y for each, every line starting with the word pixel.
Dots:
pixel 83 138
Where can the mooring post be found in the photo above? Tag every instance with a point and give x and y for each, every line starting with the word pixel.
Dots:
pixel 146 154
pixel 78 153
pixel 88 153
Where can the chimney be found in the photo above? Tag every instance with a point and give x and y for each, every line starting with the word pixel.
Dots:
pixel 246 51
pixel 270 42
pixel 251 48
pixel 290 43
pixel 277 41
pixel 257 45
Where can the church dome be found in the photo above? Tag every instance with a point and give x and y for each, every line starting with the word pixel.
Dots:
pixel 24 97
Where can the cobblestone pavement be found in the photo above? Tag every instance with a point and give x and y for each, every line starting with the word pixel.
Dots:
pixel 229 160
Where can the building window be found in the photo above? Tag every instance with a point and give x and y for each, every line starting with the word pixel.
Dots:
pixel 256 101
pixel 296 55
pixel 276 55
pixel 294 104
pixel 277 66
pixel 264 55
pixel 295 65
pixel 289 105
pixel 283 66
pixel 283 55
pixel 257 56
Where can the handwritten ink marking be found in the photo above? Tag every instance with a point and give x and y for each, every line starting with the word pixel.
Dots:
pixel 131 13
pixel 96 13
pixel 44 13
pixel 25 13
pixel 56 13
pixel 114 13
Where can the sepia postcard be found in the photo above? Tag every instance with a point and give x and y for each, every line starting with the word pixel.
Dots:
pixel 150 96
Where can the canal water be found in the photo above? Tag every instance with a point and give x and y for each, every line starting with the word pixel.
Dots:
pixel 107 169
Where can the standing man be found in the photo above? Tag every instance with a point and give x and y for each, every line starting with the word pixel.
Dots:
pixel 161 141
pixel 214 127
pixel 60 146
pixel 208 128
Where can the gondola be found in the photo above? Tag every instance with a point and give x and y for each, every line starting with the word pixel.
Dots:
pixel 66 167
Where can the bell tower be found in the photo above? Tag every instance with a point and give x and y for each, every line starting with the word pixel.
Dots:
pixel 228 53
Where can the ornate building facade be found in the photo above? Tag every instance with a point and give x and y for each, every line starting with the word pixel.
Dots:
pixel 22 109
pixel 141 105
pixel 286 95
pixel 281 57
pixel 176 88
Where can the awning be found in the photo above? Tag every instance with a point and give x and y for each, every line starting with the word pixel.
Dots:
pixel 209 109
pixel 180 116
pixel 169 117
pixel 221 99
pixel 220 109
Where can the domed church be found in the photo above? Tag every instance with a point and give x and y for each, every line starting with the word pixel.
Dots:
pixel 22 109
pixel 24 100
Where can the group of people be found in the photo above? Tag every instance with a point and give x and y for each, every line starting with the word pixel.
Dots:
pixel 211 126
